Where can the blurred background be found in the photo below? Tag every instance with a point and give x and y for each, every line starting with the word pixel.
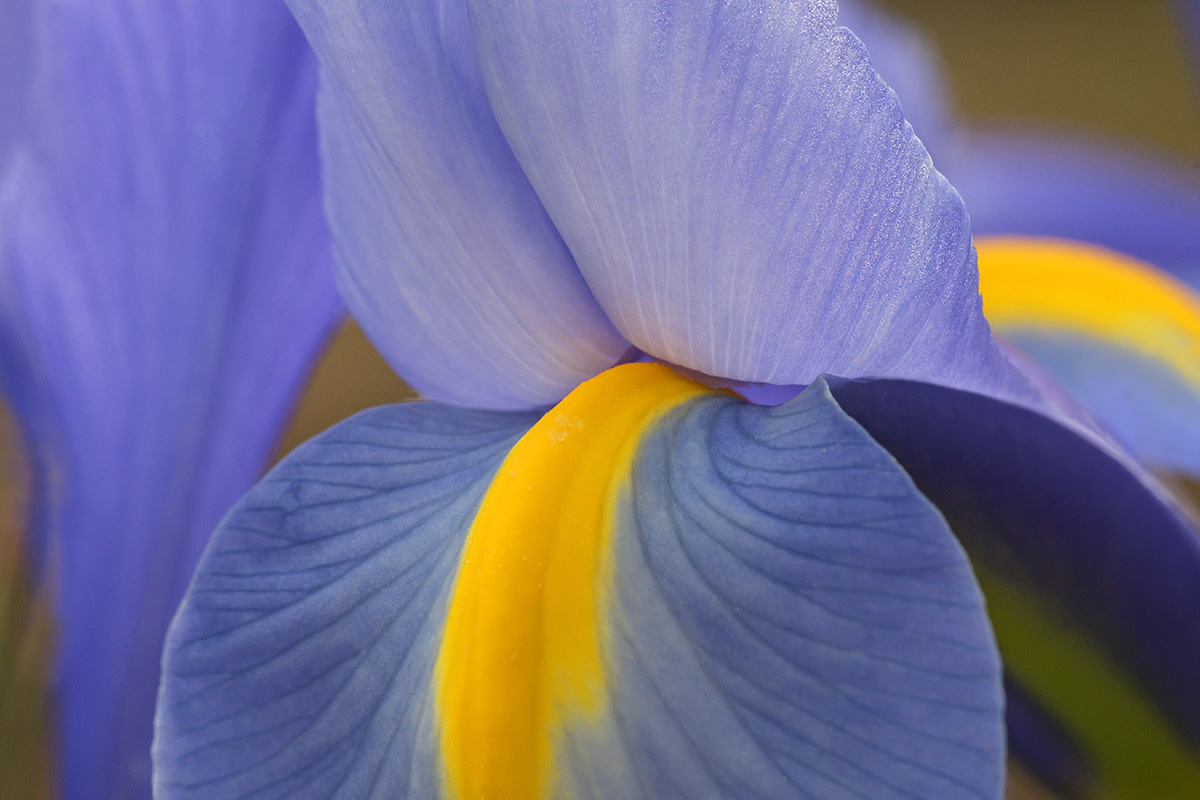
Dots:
pixel 1113 69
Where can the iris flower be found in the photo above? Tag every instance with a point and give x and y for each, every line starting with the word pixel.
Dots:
pixel 655 588
pixel 165 280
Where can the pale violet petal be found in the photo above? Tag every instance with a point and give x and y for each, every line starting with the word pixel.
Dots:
pixel 739 188
pixel 445 255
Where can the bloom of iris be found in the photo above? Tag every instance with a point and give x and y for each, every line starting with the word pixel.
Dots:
pixel 655 588
pixel 718 459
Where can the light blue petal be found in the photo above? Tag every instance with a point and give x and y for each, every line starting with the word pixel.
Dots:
pixel 1143 402
pixel 789 617
pixel 165 282
pixel 1081 531
pixel 445 255
pixel 1045 185
pixel 792 619
pixel 739 188
pixel 299 664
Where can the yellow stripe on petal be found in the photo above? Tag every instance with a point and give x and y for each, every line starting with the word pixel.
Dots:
pixel 521 654
pixel 1084 289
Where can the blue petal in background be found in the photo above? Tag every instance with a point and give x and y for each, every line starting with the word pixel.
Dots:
pixel 300 663
pixel 445 255
pixel 1189 13
pixel 792 618
pixel 739 188
pixel 164 285
pixel 1043 185
pixel 1143 402
pixel 1079 529
pixel 15 72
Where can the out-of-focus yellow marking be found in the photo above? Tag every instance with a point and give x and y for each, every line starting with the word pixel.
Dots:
pixel 1084 289
pixel 522 647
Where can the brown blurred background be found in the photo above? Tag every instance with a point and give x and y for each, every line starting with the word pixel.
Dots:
pixel 1110 68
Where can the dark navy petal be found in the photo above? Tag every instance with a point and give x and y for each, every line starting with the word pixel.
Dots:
pixel 1092 574
pixel 1043 185
pixel 301 661
pixel 164 285
pixel 739 188
pixel 1043 747
pixel 445 254
pixel 790 619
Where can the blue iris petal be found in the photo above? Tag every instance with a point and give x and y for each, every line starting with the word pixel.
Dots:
pixel 739 188
pixel 445 254
pixel 300 661
pixel 1034 185
pixel 793 619
pixel 164 285
pixel 788 617
pixel 1088 528
pixel 1142 401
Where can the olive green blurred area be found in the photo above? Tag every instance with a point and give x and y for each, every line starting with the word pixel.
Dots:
pixel 1115 69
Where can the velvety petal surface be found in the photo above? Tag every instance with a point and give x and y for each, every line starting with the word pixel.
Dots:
pixel 445 254
pixel 1042 185
pixel 739 188
pixel 664 593
pixel 165 281
pixel 1092 575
